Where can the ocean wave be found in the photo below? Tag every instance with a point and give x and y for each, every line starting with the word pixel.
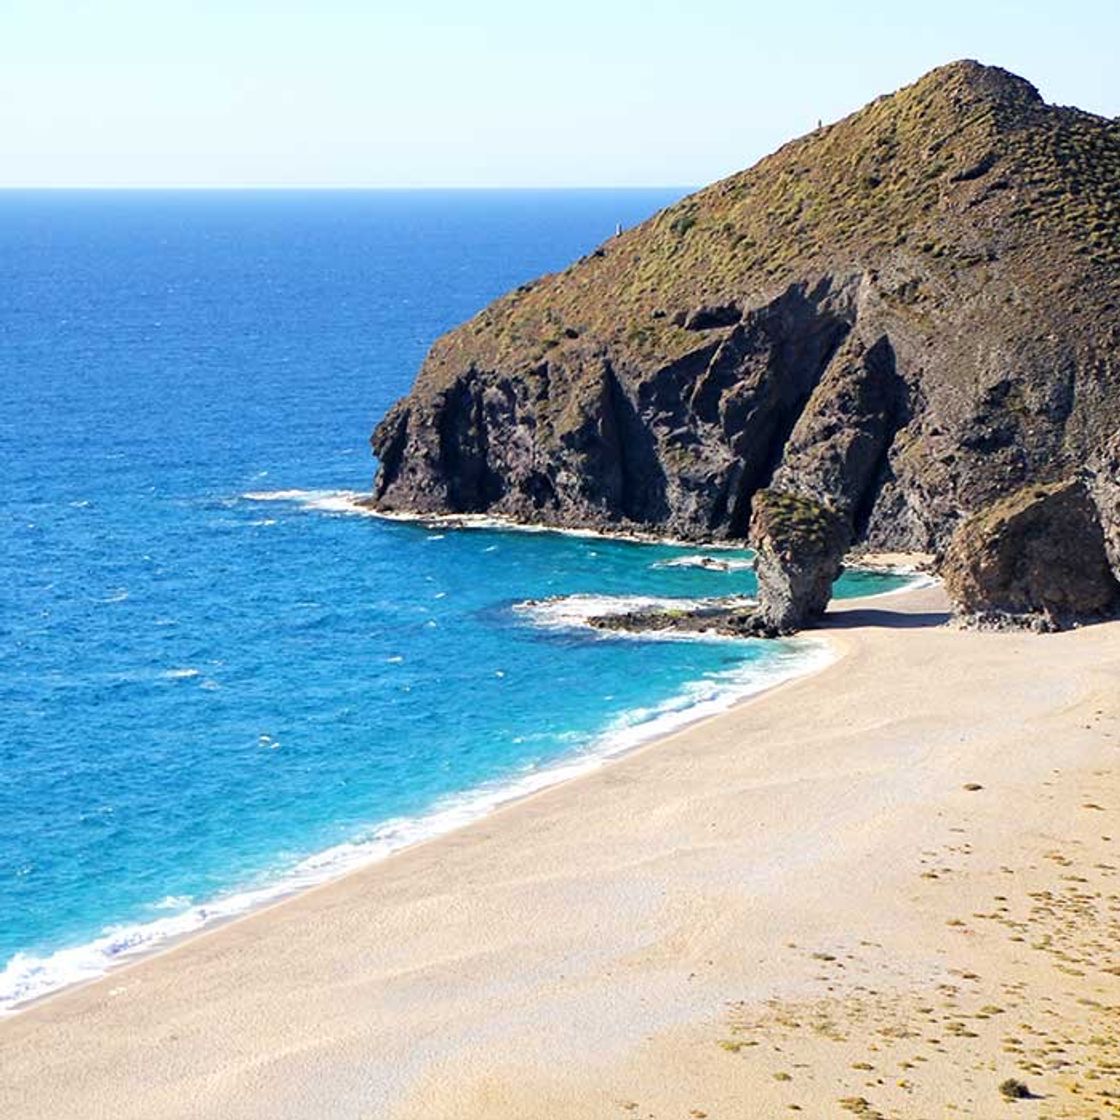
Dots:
pixel 278 495
pixel 326 501
pixel 172 902
pixel 716 693
pixel 27 977
pixel 916 578
pixel 569 612
pixel 709 563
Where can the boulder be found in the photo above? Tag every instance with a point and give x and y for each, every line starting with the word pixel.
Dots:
pixel 1036 557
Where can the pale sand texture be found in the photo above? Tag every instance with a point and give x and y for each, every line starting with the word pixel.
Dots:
pixel 894 561
pixel 797 903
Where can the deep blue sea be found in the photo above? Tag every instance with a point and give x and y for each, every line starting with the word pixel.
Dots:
pixel 217 682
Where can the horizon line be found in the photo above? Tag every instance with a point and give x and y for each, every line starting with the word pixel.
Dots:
pixel 274 187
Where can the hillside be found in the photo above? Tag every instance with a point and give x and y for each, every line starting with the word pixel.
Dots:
pixel 896 320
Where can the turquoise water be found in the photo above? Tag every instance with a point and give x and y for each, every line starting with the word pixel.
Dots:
pixel 218 683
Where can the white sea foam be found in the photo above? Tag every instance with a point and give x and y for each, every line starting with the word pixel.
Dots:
pixel 172 902
pixel 917 579
pixel 353 502
pixel 711 563
pixel 567 612
pixel 326 501
pixel 281 495
pixel 27 977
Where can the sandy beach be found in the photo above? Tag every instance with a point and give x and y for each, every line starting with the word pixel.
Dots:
pixel 878 891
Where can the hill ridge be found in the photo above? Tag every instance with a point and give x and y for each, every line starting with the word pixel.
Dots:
pixel 902 316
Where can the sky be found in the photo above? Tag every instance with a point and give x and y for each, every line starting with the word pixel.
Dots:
pixel 495 93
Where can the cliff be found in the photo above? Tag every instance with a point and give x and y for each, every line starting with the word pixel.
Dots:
pixel 899 319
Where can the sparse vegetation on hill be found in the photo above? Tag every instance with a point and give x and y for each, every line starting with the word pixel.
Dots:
pixel 905 316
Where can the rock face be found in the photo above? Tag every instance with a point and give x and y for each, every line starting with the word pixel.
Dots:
pixel 902 317
pixel 1037 555
pixel 801 545
pixel 1104 485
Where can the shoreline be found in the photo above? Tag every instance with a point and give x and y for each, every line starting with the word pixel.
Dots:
pixel 128 945
pixel 460 810
pixel 624 937
pixel 357 503
pixel 564 771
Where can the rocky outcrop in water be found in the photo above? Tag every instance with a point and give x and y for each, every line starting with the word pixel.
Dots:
pixel 903 318
pixel 730 618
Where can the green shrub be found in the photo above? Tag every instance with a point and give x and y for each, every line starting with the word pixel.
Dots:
pixel 1014 1090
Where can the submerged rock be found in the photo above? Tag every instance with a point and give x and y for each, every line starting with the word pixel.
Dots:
pixel 730 620
pixel 1034 558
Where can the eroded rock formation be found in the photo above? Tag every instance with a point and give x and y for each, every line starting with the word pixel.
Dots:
pixel 801 544
pixel 1035 557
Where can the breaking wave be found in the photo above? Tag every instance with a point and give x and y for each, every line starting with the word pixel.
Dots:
pixel 568 612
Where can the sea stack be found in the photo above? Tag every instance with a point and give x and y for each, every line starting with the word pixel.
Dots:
pixel 900 322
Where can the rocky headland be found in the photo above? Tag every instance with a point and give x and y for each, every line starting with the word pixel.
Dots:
pixel 899 332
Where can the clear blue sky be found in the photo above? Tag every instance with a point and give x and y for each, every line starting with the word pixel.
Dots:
pixel 494 93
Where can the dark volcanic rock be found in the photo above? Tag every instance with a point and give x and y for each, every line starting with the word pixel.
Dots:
pixel 903 317
pixel 1037 554
pixel 735 619
pixel 1104 484
pixel 836 453
pixel 707 318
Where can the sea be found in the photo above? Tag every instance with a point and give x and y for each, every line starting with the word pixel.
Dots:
pixel 220 681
